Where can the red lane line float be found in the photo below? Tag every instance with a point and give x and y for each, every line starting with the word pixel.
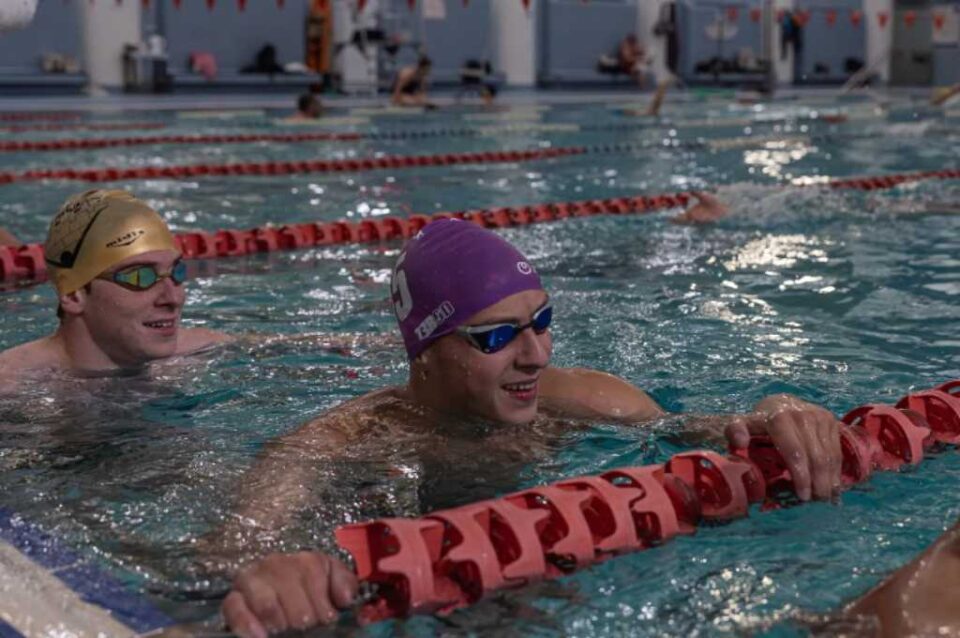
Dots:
pixel 25 262
pixel 285 168
pixel 452 558
pixel 113 126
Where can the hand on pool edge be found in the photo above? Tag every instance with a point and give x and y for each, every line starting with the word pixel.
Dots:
pixel 806 435
pixel 288 591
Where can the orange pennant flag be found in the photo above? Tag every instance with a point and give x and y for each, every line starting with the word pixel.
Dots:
pixel 831 17
pixel 909 17
pixel 882 18
pixel 855 17
pixel 939 20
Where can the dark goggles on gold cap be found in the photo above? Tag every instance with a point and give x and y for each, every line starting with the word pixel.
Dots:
pixel 145 276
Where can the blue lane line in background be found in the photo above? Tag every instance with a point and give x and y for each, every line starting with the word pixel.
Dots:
pixel 89 581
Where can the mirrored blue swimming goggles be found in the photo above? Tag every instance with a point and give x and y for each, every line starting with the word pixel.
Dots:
pixel 146 276
pixel 494 337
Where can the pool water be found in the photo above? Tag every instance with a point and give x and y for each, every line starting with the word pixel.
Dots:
pixel 840 297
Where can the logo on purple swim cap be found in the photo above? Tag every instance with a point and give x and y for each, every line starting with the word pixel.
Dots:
pixel 449 272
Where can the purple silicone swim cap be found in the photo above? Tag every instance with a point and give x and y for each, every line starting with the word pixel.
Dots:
pixel 449 272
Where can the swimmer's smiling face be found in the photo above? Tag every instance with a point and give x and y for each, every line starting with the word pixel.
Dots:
pixel 499 386
pixel 134 327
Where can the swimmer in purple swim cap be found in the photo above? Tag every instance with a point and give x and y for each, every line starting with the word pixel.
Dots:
pixel 475 321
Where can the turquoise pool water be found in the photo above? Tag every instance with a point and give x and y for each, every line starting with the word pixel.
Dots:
pixel 840 297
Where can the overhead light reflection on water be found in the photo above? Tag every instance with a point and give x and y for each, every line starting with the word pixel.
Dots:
pixel 778 250
pixel 776 155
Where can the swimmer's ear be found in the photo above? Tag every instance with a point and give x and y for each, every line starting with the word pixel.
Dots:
pixel 74 302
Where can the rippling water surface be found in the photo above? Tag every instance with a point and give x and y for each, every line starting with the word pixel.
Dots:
pixel 840 297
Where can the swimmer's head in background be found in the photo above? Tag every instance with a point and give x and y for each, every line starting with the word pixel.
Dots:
pixel 97 229
pixel 449 272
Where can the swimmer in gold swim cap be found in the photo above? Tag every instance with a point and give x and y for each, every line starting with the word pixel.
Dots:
pixel 119 279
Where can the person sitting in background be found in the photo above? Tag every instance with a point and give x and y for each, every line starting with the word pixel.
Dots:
pixel 308 108
pixel 479 75
pixel 119 279
pixel 631 57
pixel 7 238
pixel 410 85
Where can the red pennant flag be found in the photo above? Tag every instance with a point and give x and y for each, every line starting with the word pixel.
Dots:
pixel 802 17
pixel 412 4
pixel 280 4
pixel 210 4
pixel 855 17
pixel 361 4
pixel 242 5
pixel 319 6
pixel 831 17
pixel 526 5
pixel 882 18
pixel 177 3
pixel 732 14
pixel 909 17
pixel 756 14
pixel 939 20
pixel 145 3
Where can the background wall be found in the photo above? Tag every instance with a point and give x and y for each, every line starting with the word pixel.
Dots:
pixel 234 37
pixel 555 41
pixel 55 29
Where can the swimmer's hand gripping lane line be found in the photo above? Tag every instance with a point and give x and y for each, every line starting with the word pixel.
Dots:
pixel 452 558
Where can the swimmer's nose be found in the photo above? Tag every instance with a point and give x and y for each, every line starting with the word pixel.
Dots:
pixel 534 349
pixel 170 294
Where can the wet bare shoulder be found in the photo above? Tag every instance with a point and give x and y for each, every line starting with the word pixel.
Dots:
pixel 581 393
pixel 192 340
pixel 380 410
pixel 35 355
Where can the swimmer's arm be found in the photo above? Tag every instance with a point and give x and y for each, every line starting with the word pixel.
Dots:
pixel 273 491
pixel 581 393
pixel 920 599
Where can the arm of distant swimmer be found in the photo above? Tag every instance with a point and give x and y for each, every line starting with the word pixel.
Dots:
pixel 920 599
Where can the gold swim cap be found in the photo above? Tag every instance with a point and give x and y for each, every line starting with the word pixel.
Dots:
pixel 97 229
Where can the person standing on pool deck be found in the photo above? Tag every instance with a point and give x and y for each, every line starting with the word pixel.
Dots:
pixel 119 279
pixel 475 322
